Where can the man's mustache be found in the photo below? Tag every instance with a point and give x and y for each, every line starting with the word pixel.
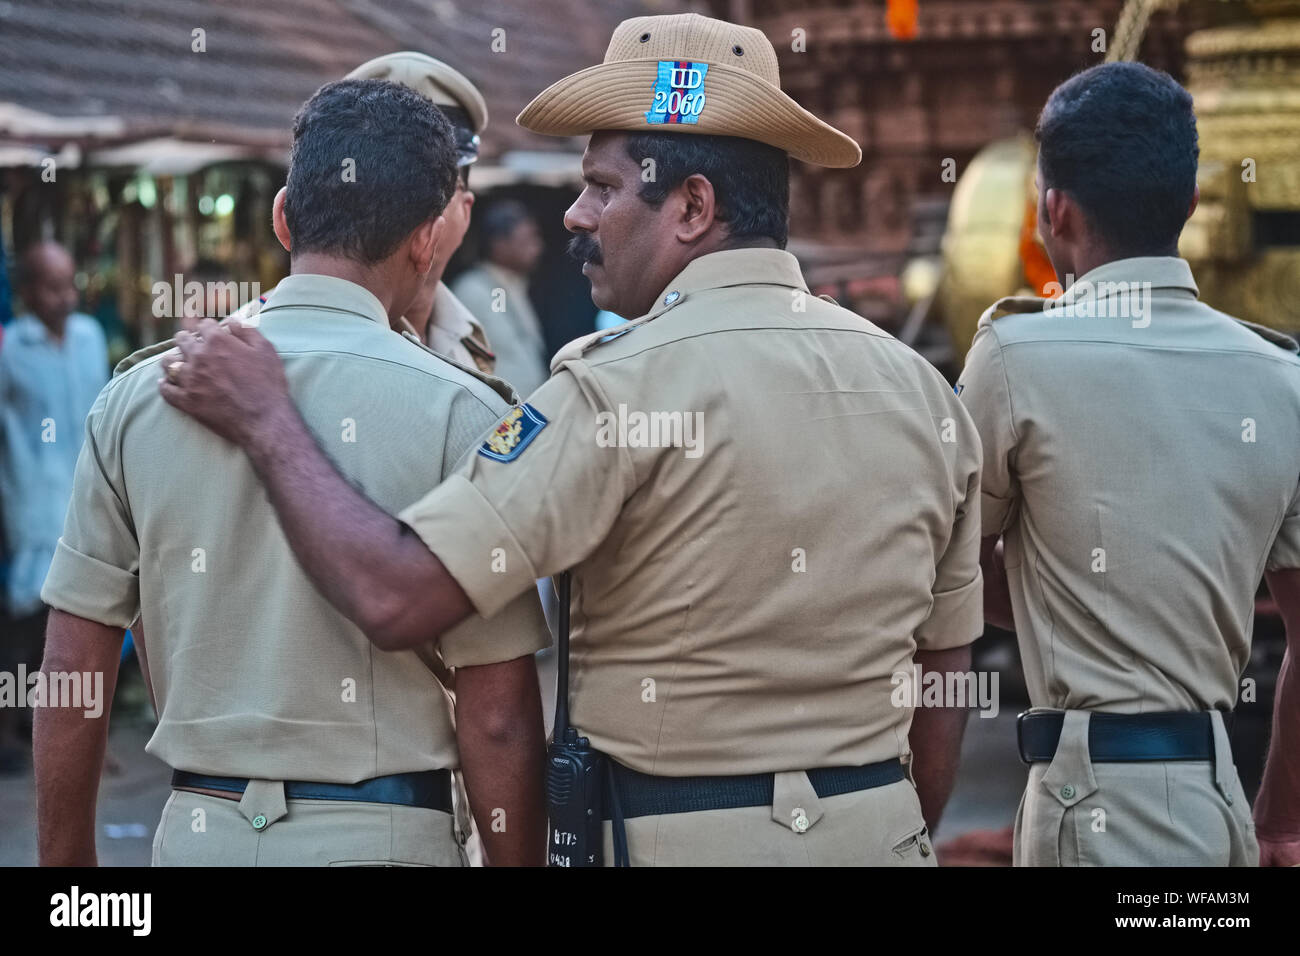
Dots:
pixel 586 249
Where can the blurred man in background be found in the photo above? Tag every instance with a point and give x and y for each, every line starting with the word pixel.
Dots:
pixel 213 276
pixel 53 364
pixel 496 291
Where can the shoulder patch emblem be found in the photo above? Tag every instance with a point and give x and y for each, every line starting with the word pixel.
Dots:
pixel 679 92
pixel 511 437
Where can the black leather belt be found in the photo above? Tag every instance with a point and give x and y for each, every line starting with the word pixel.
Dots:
pixel 430 789
pixel 641 795
pixel 1121 738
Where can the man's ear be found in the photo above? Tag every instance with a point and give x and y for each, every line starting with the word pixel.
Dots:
pixel 1062 214
pixel 698 208
pixel 424 243
pixel 278 222
pixel 1196 199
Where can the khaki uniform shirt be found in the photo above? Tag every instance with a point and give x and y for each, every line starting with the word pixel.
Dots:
pixel 254 673
pixel 769 504
pixel 1143 465
pixel 452 331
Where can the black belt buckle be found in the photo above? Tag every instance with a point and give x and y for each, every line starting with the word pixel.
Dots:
pixel 1021 718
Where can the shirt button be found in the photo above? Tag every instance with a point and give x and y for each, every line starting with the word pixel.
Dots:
pixel 259 822
pixel 672 297
pixel 1067 792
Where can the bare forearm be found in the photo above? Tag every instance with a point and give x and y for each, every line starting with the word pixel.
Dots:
pixel 1277 808
pixel 502 753
pixel 68 745
pixel 935 738
pixel 362 559
pixel 997 590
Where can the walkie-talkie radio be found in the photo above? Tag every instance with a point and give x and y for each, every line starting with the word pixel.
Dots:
pixel 574 772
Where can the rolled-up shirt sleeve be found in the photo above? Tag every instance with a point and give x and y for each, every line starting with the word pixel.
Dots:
pixel 96 569
pixel 984 390
pixel 957 612
pixel 515 513
pixel 518 630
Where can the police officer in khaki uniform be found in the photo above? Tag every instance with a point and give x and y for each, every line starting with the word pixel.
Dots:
pixel 770 506
pixel 1142 470
pixel 293 740
pixel 436 317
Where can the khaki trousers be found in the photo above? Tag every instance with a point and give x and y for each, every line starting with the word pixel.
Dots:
pixel 877 827
pixel 1172 813
pixel 200 830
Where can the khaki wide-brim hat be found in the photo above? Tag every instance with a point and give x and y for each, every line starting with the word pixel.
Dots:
pixel 688 74
pixel 432 78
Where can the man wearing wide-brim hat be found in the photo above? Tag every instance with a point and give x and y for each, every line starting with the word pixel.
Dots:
pixel 769 506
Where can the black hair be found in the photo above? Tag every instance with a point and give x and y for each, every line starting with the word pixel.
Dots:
pixel 1120 139
pixel 501 219
pixel 751 180
pixel 371 161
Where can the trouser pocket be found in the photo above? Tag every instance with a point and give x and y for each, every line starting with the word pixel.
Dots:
pixel 158 837
pixel 1045 833
pixel 915 849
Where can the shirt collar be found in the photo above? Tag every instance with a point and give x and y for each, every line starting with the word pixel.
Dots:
pixel 1157 272
pixel 507 277
pixel 450 314
pixel 328 293
pixel 32 331
pixel 731 267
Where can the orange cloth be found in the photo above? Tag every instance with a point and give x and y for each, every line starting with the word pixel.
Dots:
pixel 1038 268
pixel 900 17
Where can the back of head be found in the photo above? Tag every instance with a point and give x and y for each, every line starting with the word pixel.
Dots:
pixel 1120 139
pixel 371 160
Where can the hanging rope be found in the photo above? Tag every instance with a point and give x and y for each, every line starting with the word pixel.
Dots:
pixel 1132 27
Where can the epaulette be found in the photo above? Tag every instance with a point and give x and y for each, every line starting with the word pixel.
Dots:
pixel 148 352
pixel 243 315
pixel 484 358
pixel 1283 341
pixel 1013 305
pixel 500 386
pixel 585 343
